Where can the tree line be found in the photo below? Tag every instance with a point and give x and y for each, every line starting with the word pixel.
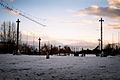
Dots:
pixel 8 39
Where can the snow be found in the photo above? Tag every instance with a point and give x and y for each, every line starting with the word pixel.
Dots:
pixel 25 67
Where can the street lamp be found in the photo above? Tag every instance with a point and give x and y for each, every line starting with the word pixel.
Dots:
pixel 39 44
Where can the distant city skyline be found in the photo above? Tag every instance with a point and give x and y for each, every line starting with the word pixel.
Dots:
pixel 70 22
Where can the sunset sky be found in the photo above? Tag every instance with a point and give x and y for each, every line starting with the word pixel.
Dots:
pixel 70 22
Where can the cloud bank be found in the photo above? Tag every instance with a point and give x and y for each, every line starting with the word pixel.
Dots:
pixel 114 3
pixel 112 11
pixel 8 0
pixel 115 26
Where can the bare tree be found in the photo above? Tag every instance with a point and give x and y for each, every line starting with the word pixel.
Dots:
pixel 8 32
pixel 8 36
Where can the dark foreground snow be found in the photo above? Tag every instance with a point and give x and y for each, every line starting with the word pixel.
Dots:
pixel 24 67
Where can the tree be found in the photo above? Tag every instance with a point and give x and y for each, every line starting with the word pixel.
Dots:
pixel 8 35
pixel 8 32
pixel 112 49
pixel 45 49
pixel 67 50
pixel 54 50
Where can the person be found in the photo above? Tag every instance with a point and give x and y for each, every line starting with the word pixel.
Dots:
pixel 47 55
pixel 83 53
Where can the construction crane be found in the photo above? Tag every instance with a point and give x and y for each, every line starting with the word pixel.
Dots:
pixel 18 12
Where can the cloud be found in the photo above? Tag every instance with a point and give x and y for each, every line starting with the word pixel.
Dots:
pixel 114 26
pixel 8 0
pixel 114 3
pixel 82 44
pixel 101 11
pixel 12 0
pixel 112 11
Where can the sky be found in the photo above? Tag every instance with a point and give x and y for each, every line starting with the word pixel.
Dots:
pixel 68 22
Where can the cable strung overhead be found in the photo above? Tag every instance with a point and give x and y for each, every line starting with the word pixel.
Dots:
pixel 17 12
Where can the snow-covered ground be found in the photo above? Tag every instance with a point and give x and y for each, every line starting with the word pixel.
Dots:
pixel 25 67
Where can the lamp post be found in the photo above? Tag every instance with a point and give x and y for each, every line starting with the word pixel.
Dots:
pixel 59 50
pixel 101 21
pixel 39 44
pixel 18 21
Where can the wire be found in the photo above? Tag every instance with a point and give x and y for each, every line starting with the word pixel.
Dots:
pixel 32 20
pixel 6 6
